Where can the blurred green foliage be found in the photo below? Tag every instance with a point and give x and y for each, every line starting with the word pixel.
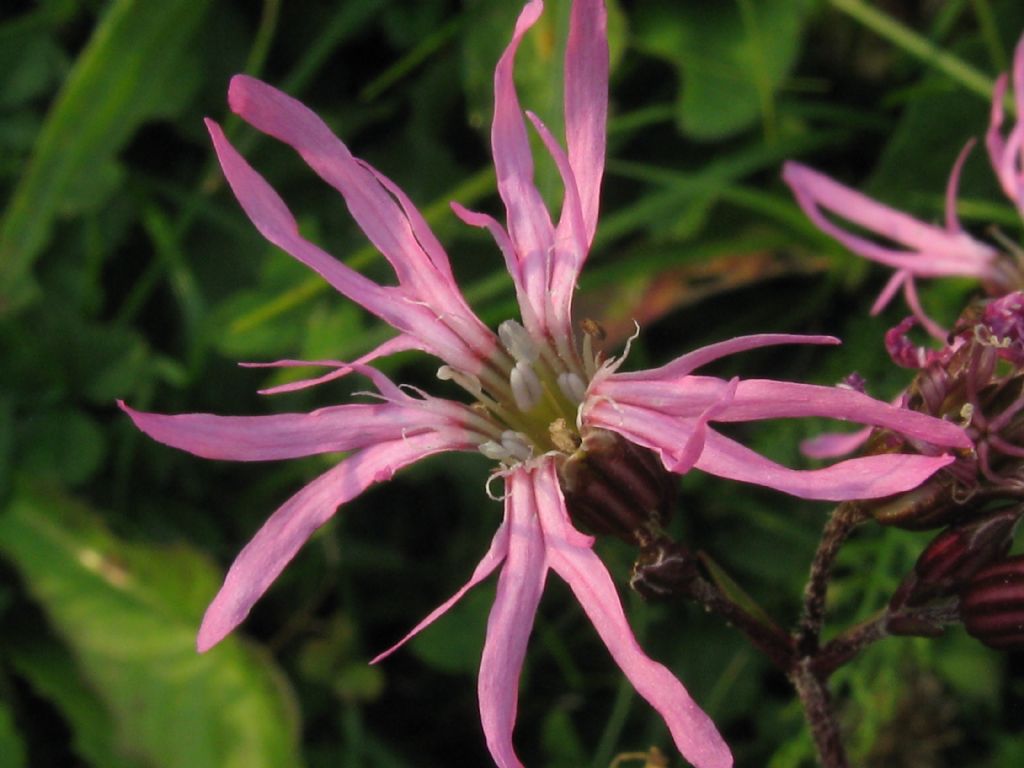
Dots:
pixel 127 271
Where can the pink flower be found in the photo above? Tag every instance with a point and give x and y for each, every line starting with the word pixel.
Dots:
pixel 924 250
pixel 1007 154
pixel 538 394
pixel 911 247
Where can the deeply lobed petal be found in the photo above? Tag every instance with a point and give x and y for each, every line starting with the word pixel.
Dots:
pixel 757 399
pixel 586 103
pixel 869 477
pixel 948 251
pixel 284 435
pixel 928 251
pixel 1007 154
pixel 511 619
pixel 380 208
pixel 496 554
pixel 529 224
pixel 687 363
pixel 692 730
pixel 275 222
pixel 277 542
pixel 400 343
pixel 831 445
pixel 669 434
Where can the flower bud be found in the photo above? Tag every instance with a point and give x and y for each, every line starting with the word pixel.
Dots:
pixel 992 606
pixel 955 555
pixel 931 505
pixel 612 486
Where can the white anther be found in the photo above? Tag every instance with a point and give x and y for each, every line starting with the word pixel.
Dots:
pixel 572 386
pixel 517 341
pixel 493 450
pixel 526 387
pixel 517 445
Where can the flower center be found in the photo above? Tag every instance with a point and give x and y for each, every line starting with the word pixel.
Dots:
pixel 534 411
pixel 531 406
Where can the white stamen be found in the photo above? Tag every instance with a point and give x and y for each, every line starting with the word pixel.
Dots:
pixel 612 363
pixel 467 381
pixel 493 450
pixel 526 387
pixel 572 386
pixel 590 363
pixel 517 341
pixel 487 487
pixel 517 445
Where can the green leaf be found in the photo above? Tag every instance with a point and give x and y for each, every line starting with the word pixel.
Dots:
pixel 12 751
pixel 132 70
pixel 731 58
pixel 129 614
pixel 63 445
pixel 51 671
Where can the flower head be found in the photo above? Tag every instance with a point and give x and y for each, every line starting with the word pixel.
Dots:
pixel 543 403
pixel 911 247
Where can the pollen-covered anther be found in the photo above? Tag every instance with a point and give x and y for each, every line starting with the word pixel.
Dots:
pixel 593 328
pixel 563 437
pixel 526 387
pixel 966 415
pixel 592 331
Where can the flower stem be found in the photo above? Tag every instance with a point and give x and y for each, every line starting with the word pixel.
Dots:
pixel 841 524
pixel 817 706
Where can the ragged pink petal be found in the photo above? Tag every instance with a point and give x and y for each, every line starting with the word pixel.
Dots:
pixel 586 103
pixel 870 477
pixel 1007 154
pixel 531 321
pixel 926 250
pixel 834 444
pixel 767 399
pixel 569 249
pixel 511 619
pixel 684 460
pixel 691 361
pixel 494 557
pixel 661 428
pixel 403 240
pixel 275 222
pixel 692 730
pixel 401 343
pixel 284 435
pixel 529 224
pixel 277 542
